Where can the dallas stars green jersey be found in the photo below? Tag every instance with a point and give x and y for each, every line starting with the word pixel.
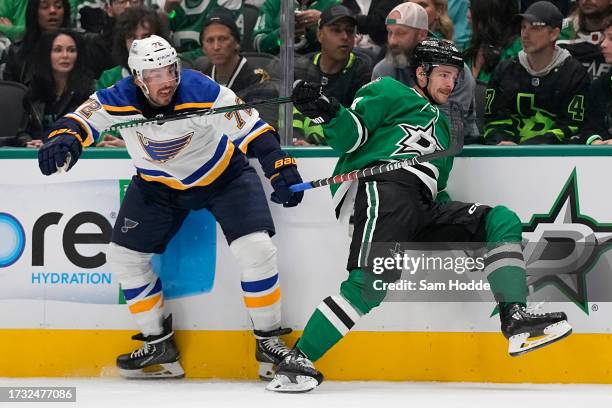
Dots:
pixel 388 121
pixel 187 20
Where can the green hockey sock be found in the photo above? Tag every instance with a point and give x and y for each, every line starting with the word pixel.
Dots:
pixel 336 315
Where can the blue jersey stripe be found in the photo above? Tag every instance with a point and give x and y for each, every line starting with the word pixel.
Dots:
pixel 260 285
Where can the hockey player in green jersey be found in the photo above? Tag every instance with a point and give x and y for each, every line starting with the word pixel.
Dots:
pixel 389 121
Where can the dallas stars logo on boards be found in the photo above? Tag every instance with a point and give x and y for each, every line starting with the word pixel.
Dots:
pixel 582 238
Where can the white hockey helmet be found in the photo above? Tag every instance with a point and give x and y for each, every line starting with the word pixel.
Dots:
pixel 150 53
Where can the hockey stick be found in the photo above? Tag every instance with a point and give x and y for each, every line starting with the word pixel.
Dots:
pixel 454 147
pixel 199 112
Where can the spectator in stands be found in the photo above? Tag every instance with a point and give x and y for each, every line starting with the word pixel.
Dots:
pixel 339 71
pixel 12 18
pixel 407 25
pixel 134 24
pixel 361 8
pixel 440 24
pixel 224 63
pixel 266 36
pixel 538 97
pixel 583 32
pixel 372 23
pixel 99 39
pixel 458 12
pixel 186 18
pixel 598 126
pixel 41 16
pixel 59 84
pixel 221 45
pixel 494 36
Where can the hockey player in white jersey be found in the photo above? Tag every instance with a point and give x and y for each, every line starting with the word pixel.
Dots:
pixel 183 165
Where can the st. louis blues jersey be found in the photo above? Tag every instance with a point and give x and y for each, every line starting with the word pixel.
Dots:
pixel 182 153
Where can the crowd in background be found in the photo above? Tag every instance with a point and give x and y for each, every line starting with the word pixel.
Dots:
pixel 536 72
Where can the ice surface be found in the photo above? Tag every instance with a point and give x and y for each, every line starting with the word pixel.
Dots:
pixel 118 393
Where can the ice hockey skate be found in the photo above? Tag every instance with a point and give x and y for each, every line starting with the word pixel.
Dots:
pixel 295 373
pixel 528 331
pixel 157 358
pixel 270 350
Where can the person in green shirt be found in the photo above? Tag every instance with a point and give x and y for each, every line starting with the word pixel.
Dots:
pixel 12 18
pixel 389 121
pixel 266 35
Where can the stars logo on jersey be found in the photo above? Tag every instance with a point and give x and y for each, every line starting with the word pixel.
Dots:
pixel 418 140
pixel 160 151
pixel 563 247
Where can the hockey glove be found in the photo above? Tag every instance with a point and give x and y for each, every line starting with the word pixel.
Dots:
pixel 54 154
pixel 282 171
pixel 309 100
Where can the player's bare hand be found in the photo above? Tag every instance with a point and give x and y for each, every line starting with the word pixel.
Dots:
pixel 6 21
pixel 36 143
pixel 506 143
pixel 602 142
pixel 308 18
pixel 111 141
pixel 301 142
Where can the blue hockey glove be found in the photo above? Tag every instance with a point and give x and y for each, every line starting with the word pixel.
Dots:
pixel 62 149
pixel 309 100
pixel 282 171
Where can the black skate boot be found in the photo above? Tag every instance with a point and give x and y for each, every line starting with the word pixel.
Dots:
pixel 527 331
pixel 295 373
pixel 270 350
pixel 157 358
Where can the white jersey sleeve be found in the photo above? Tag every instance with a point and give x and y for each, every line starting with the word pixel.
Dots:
pixel 243 126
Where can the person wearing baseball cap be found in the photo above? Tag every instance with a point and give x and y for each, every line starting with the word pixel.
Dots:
pixel 538 97
pixel 339 71
pixel 543 13
pixel 407 26
pixel 220 39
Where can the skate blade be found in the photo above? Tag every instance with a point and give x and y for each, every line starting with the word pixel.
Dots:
pixel 281 383
pixel 522 343
pixel 157 371
pixel 266 371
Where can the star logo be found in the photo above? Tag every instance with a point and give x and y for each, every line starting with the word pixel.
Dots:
pixel 418 140
pixel 564 245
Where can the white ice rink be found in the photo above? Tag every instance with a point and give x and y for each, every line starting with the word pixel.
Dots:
pixel 116 393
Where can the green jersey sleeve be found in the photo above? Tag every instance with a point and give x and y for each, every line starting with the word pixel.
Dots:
pixel 351 126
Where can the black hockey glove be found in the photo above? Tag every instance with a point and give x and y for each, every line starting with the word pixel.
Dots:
pixel 309 100
pixel 282 171
pixel 62 148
